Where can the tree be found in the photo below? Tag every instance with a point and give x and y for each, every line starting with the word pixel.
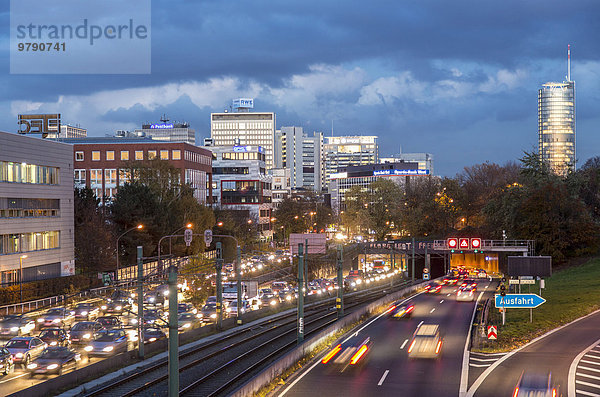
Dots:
pixel 94 236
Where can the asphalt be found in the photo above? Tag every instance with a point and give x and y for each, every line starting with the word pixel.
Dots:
pixel 387 370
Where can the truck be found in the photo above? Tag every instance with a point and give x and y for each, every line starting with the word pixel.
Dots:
pixel 249 290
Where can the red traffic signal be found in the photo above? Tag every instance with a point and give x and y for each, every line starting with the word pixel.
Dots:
pixel 475 243
pixel 463 243
pixel 452 243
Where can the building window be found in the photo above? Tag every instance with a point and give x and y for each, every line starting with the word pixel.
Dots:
pixel 27 242
pixel 124 176
pixel 28 207
pixel 110 176
pixel 110 155
pixel 151 154
pixel 124 155
pixel 95 177
pixel 139 154
pixel 79 177
pixel 28 173
pixel 78 156
pixel 164 154
pixel 95 155
pixel 176 154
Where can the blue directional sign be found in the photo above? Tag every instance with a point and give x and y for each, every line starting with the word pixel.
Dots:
pixel 519 301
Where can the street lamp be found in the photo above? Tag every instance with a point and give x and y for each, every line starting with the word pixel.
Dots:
pixel 187 226
pixel 21 277
pixel 138 227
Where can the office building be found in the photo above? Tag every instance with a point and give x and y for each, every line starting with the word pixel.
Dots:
pixel 424 160
pixel 344 151
pixel 245 129
pixel 364 175
pixel 282 187
pixel 166 131
pixel 240 183
pixel 68 131
pixel 101 163
pixel 302 155
pixel 556 123
pixel 36 209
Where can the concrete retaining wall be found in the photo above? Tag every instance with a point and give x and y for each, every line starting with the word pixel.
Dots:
pixel 291 358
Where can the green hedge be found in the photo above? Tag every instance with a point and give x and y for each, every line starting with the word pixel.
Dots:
pixel 46 288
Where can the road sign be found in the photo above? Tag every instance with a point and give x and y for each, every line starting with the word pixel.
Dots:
pixel 475 243
pixel 519 301
pixel 208 237
pixel 425 270
pixel 522 282
pixel 492 332
pixel 452 243
pixel 425 276
pixel 187 236
pixel 463 243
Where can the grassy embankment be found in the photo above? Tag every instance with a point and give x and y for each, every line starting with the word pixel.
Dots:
pixel 570 293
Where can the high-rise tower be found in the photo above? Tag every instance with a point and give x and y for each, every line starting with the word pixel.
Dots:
pixel 556 123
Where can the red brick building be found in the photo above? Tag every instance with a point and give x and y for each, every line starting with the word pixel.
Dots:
pixel 98 163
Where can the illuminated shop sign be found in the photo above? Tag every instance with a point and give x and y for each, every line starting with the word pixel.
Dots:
pixel 400 172
pixel 244 149
pixel 39 124
pixel 247 103
pixel 161 126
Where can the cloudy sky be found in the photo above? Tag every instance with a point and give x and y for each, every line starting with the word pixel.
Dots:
pixel 457 79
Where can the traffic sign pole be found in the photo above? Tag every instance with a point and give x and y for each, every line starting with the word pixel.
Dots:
pixel 219 266
pixel 300 293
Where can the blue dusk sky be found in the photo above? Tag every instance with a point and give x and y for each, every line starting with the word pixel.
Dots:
pixel 457 79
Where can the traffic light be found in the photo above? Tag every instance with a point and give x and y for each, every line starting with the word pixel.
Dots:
pixel 502 290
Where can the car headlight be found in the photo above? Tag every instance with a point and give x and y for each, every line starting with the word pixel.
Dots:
pixel 19 355
pixel 73 313
pixel 103 307
pixel 133 321
pixel 108 349
pixel 56 320
pixel 151 339
pixel 213 315
pixel 40 320
pixel 88 348
pixel 358 281
pixel 165 293
pixel 119 307
pixel 52 366
pixel 32 366
pixel 53 343
pixel 187 325
pixel 151 300
pixel 353 284
pixel 14 329
pixel 228 309
pixel 288 298
pixel 84 313
pixel 87 336
pixel 273 302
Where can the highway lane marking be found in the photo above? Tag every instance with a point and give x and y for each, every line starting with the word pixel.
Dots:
pixel 590 362
pixel 404 344
pixel 587 376
pixel 486 287
pixel 421 323
pixel 589 369
pixel 448 294
pixel 489 354
pixel 15 377
pixel 442 301
pixel 351 335
pixel 464 373
pixel 432 310
pixel 587 384
pixel 587 393
pixel 591 356
pixel 483 359
pixel 479 365
pixel 387 371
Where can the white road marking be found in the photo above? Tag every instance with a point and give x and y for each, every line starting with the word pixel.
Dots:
pixel 483 359
pixel 587 376
pixel 486 287
pixel 387 371
pixel 404 344
pixel 442 301
pixel 448 294
pixel 464 374
pixel 432 310
pixel 490 354
pixel 15 377
pixel 421 323
pixel 587 384
pixel 589 369
pixel 479 365
pixel 590 362
pixel 587 393
pixel 591 356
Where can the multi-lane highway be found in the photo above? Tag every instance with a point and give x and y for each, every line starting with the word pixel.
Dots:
pixel 388 369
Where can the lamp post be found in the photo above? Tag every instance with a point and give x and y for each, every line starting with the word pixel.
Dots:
pixel 21 277
pixel 138 227
pixel 188 226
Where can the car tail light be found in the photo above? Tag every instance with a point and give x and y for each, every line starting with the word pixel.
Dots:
pixel 332 353
pixel 358 354
pixel 410 309
pixel 516 392
pixel 411 346
pixel 438 347
pixel 391 308
pixel 553 392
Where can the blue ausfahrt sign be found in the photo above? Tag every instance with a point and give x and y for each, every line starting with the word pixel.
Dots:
pixel 519 301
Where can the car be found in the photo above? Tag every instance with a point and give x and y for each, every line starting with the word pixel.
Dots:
pixel 269 300
pixel 349 353
pixel 25 348
pixel 152 334
pixel 533 384
pixel 208 313
pixel 276 286
pixel 186 307
pixel 404 310
pixel 286 295
pixel 54 337
pixel 433 288
pixel 86 312
pixel 211 299
pixel 6 361
pixel 466 294
pixel 116 307
pixel 16 325
pixel 129 319
pixel 187 321
pixel 154 318
pixel 468 282
pixel 54 359
pixel 154 298
pixel 109 322
pixel 56 317
pixel 84 331
pixel 107 342
pixel 232 309
pixel 426 342
pixel 162 290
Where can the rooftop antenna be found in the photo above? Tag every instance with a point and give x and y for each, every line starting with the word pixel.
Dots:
pixel 164 118
pixel 568 62
pixel 332 128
